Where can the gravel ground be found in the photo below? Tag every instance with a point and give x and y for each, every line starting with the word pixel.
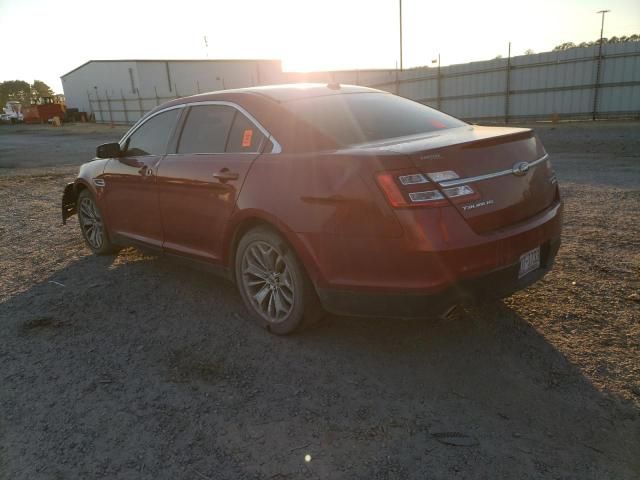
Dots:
pixel 137 367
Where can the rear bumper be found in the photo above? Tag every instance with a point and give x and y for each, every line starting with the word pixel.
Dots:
pixel 492 285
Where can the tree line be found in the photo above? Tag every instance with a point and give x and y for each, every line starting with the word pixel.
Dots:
pixel 23 92
pixel 622 39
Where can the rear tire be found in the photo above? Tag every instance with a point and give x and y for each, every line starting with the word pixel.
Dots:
pixel 273 284
pixel 92 225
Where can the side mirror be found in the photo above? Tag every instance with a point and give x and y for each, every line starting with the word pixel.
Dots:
pixel 108 150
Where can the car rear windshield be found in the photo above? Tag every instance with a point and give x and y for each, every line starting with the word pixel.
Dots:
pixel 355 118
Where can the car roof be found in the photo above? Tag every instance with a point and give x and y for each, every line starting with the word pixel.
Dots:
pixel 291 91
pixel 264 103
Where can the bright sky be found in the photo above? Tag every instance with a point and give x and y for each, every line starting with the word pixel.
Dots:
pixel 45 39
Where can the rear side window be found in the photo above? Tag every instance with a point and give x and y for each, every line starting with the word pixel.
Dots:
pixel 206 129
pixel 355 118
pixel 152 137
pixel 244 136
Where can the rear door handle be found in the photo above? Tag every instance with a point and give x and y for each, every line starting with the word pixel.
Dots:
pixel 225 175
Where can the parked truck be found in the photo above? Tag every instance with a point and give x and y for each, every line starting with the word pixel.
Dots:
pixel 44 110
pixel 12 112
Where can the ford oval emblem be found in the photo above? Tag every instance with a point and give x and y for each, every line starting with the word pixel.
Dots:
pixel 520 169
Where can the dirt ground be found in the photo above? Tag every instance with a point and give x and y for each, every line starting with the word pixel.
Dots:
pixel 135 367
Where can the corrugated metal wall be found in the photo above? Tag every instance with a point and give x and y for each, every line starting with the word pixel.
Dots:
pixel 540 86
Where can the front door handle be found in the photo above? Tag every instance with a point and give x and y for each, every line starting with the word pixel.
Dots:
pixel 145 170
pixel 225 175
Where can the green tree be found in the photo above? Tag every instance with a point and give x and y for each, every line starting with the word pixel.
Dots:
pixel 15 90
pixel 40 89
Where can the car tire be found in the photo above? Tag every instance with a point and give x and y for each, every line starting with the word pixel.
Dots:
pixel 273 283
pixel 92 226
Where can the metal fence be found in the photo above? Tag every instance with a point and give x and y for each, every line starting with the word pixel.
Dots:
pixel 125 110
pixel 572 84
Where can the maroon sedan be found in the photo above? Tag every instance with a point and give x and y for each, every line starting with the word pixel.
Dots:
pixel 327 197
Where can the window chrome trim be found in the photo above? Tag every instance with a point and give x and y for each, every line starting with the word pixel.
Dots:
pixel 488 176
pixel 143 120
pixel 277 148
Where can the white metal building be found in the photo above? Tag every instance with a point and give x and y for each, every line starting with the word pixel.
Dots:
pixel 120 91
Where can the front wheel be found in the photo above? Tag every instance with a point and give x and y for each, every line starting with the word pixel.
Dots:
pixel 273 283
pixel 92 225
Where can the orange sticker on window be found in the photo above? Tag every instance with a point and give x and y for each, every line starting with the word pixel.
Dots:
pixel 246 138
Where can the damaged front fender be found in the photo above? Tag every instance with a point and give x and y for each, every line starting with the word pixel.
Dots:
pixel 69 198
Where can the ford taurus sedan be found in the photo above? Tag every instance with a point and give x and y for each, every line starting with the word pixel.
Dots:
pixel 334 198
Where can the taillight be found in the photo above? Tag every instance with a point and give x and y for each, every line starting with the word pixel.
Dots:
pixel 442 176
pixel 388 184
pixel 460 191
pixel 420 190
pixel 427 196
pixel 413 179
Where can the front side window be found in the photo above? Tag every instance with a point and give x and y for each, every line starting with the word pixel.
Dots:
pixel 153 136
pixel 206 129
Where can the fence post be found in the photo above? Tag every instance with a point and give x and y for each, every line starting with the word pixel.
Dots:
pixel 596 89
pixel 439 86
pixel 175 87
pixel 124 107
pixel 99 106
pixel 198 86
pixel 140 103
pixel 508 87
pixel 106 94
pixel 397 83
pixel 90 104
pixel 168 75
pixel 157 99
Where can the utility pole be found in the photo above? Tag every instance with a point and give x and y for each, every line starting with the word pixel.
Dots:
pixel 400 35
pixel 603 12
pixel 599 66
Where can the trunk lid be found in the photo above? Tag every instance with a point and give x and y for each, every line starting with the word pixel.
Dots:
pixel 490 160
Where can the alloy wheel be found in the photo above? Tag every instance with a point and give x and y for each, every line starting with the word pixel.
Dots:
pixel 267 281
pixel 91 223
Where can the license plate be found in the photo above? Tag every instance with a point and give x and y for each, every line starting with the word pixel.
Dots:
pixel 529 261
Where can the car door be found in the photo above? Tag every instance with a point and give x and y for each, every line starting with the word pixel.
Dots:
pixel 131 195
pixel 199 184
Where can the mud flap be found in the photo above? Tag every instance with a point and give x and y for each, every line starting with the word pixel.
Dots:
pixel 69 198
